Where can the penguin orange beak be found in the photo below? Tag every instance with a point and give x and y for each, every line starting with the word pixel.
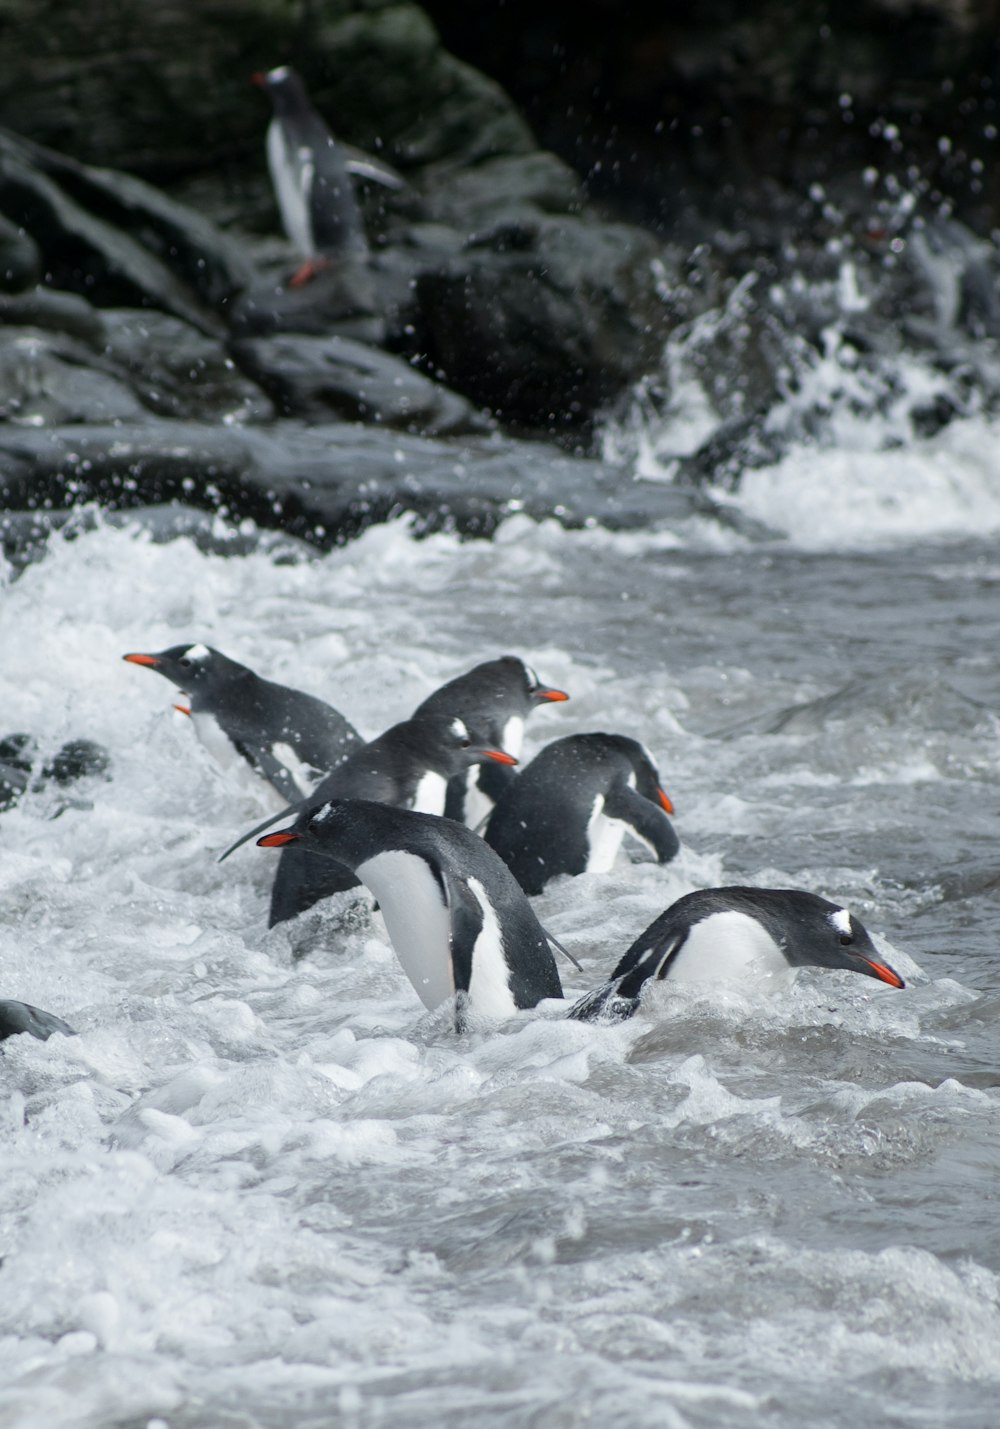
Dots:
pixel 499 756
pixel 182 709
pixel 885 973
pixel 276 840
pixel 149 660
pixel 555 696
pixel 665 801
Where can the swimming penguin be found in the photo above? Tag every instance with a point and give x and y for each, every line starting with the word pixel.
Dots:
pixel 311 174
pixel 569 809
pixel 496 698
pixel 721 934
pixel 408 766
pixel 288 737
pixel 459 923
pixel 18 1017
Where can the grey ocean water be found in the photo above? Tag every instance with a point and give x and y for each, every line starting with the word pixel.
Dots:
pixel 255 1192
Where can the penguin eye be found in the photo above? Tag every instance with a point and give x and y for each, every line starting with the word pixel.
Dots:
pixel 846 940
pixel 184 663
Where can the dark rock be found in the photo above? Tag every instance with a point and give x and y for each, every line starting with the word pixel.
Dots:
pixel 323 483
pixel 320 379
pixel 55 311
pixel 341 298
pixel 178 371
pixel 21 768
pixel 49 379
pixel 548 333
pixel 20 259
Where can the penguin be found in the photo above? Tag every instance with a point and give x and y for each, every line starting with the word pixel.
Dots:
pixel 496 697
pixel 287 737
pixel 77 759
pixel 457 919
pixel 721 934
pixel 569 809
pixel 409 767
pixel 16 1017
pixel 311 174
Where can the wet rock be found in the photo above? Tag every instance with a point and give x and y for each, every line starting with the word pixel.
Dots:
pixel 22 767
pixel 323 483
pixel 319 379
pixel 178 371
pixel 48 378
pixel 55 311
pixel 20 259
pixel 341 298
pixel 546 325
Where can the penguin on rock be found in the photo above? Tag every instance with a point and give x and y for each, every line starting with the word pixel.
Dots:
pixel 570 808
pixel 725 934
pixel 457 919
pixel 496 697
pixel 311 174
pixel 287 737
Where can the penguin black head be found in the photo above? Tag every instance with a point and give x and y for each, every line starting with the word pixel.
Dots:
pixel 192 668
pixel 285 88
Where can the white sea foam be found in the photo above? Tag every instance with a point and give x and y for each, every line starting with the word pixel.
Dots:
pixel 261 1191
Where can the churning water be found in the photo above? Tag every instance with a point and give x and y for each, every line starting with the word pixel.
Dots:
pixel 261 1192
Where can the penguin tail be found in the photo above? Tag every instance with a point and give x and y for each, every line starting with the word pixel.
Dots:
pixel 604 1004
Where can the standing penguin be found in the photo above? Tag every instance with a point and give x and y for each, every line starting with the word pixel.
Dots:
pixel 721 934
pixel 408 766
pixel 569 809
pixel 459 923
pixel 287 737
pixel 495 697
pixel 311 174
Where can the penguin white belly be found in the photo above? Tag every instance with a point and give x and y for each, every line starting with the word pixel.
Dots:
pixel 604 838
pixel 416 918
pixel 292 175
pixel 730 947
pixel 513 736
pixel 430 795
pixel 478 806
pixel 237 771
pixel 489 986
pixel 303 775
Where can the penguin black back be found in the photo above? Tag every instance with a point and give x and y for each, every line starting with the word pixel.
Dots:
pixel 408 767
pixel 717 934
pixel 457 918
pixel 569 808
pixel 495 697
pixel 271 726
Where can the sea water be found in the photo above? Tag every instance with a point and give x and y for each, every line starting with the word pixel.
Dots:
pixel 261 1191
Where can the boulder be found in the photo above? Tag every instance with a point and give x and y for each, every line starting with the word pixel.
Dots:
pixel 326 378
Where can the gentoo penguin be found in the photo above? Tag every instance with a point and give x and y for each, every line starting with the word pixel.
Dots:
pixel 496 698
pixel 18 1017
pixel 569 809
pixel 311 174
pixel 408 766
pixel 722 934
pixel 459 923
pixel 289 738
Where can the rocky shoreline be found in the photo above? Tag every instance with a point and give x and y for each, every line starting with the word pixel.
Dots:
pixel 152 350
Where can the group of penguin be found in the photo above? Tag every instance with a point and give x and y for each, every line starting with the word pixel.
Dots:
pixel 401 815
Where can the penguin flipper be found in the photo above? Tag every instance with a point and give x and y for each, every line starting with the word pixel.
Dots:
pixel 302 880
pixel 290 812
pixel 363 166
pixel 618 1000
pixel 269 767
pixel 18 1017
pixel 646 820
pixel 466 915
